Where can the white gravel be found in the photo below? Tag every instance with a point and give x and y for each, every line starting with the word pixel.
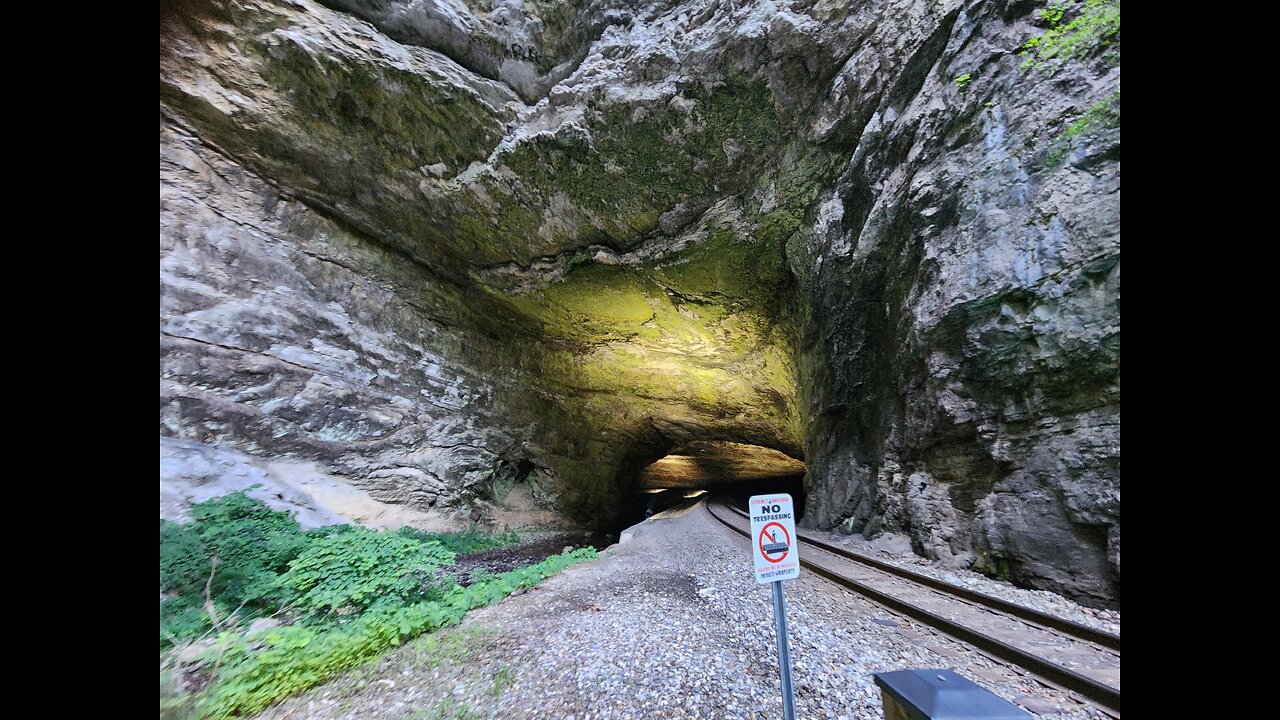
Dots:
pixel 670 625
pixel 1042 600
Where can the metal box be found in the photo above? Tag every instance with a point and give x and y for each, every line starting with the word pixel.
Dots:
pixel 941 695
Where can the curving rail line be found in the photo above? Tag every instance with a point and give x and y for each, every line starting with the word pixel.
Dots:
pixel 1067 654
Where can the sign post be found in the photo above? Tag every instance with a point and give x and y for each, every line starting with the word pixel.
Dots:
pixel 773 533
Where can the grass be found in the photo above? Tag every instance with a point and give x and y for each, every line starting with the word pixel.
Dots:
pixel 455 647
pixel 450 709
pixel 501 679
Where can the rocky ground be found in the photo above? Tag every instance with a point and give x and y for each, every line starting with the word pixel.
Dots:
pixel 896 550
pixel 670 624
pixel 533 549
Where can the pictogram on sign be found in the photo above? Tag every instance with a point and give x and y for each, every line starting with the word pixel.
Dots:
pixel 775 542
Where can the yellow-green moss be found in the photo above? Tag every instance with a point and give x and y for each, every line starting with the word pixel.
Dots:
pixel 602 292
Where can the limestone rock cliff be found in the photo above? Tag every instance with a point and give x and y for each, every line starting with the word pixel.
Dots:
pixel 447 249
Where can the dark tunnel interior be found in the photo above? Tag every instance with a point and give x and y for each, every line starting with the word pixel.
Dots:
pixel 689 471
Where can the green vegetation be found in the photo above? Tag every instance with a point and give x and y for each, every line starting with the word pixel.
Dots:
pixel 991 566
pixel 633 167
pixel 349 572
pixel 346 594
pixel 449 709
pixel 256 672
pixel 223 566
pixel 1093 26
pixel 1103 114
pixel 465 542
pixel 501 679
pixel 1053 14
pixel 455 647
pixel 389 119
pixel 962 81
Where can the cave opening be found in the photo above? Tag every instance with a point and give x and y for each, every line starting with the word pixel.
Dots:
pixel 662 476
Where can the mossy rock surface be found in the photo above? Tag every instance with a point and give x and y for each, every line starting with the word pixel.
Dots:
pixel 448 254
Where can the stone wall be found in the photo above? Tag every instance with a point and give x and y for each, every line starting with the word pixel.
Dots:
pixel 448 249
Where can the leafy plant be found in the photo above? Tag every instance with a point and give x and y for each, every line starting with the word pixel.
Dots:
pixel 480 575
pixel 1096 25
pixel 357 592
pixel 962 81
pixel 1053 14
pixel 226 560
pixel 256 672
pixel 349 571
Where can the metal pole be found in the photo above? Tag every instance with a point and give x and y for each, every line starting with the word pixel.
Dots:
pixel 784 651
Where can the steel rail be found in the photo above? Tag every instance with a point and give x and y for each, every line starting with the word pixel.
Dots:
pixel 1075 629
pixel 1104 695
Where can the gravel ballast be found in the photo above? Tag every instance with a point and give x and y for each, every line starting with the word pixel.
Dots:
pixel 669 625
pixel 1042 600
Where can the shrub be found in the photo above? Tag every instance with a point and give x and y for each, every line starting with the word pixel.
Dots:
pixel 351 570
pixel 357 591
pixel 257 672
pixel 235 546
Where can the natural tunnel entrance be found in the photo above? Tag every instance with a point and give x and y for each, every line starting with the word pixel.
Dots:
pixel 691 469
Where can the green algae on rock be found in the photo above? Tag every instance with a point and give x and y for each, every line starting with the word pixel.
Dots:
pixel 469 253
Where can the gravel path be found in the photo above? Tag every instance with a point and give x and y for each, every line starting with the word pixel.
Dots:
pixel 669 625
pixel 1042 600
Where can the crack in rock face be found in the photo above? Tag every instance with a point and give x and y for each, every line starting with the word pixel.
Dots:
pixel 471 255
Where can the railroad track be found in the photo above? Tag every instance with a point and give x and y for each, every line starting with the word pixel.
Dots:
pixel 1068 655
